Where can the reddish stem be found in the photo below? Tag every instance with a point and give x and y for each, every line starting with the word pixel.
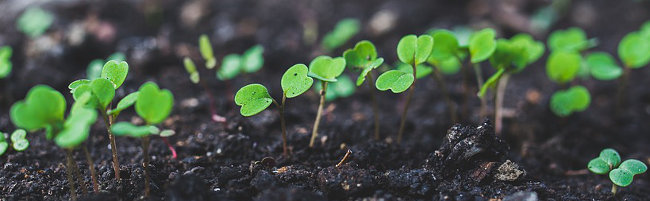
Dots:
pixel 171 148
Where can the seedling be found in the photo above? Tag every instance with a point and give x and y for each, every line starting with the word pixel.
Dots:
pixel 44 108
pixel 18 141
pixel 344 30
pixel 5 61
pixel 342 88
pixel 34 21
pixel 510 57
pixel 363 57
pixel 572 40
pixel 95 67
pixel 565 102
pixel 154 106
pixel 633 52
pixel 621 174
pixel 412 50
pixel 205 47
pixel 326 69
pixel 446 57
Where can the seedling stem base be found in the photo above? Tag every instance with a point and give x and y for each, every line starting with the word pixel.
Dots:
pixel 314 132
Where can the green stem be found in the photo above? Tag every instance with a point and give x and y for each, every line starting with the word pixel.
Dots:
pixel 91 167
pixel 314 132
pixel 375 108
pixel 614 189
pixel 116 163
pixel 406 105
pixel 443 87
pixel 498 107
pixel 145 164
pixel 622 85
pixel 479 81
pixel 283 124
pixel 71 181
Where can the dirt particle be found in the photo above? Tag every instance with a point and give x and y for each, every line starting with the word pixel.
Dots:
pixel 509 171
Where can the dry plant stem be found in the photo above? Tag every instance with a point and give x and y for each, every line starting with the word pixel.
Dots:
pixel 108 120
pixel 445 93
pixel 479 81
pixel 375 108
pixel 621 92
pixel 283 125
pixel 498 107
pixel 345 159
pixel 614 189
pixel 91 167
pixel 71 181
pixel 145 164
pixel 314 132
pixel 406 105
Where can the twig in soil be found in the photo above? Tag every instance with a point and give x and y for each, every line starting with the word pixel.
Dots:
pixel 91 167
pixel 314 132
pixel 345 159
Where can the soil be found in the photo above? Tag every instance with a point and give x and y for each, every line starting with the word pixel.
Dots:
pixel 538 156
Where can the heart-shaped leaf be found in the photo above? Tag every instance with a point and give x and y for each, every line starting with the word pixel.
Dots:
pixel 115 72
pixel 446 45
pixel 606 161
pixel 206 51
pixel 634 166
pixel 602 66
pixel 598 166
pixel 252 60
pixel 20 145
pixel 621 177
pixel 128 129
pixel 76 128
pixel 126 102
pixel 18 134
pixel 633 50
pixel 326 68
pixel 482 44
pixel 573 40
pixel 253 99
pixel 295 81
pixel 361 56
pixel 153 104
pixel 101 89
pixel 230 68
pixel 563 66
pixel 413 48
pixel 574 99
pixel 343 31
pixel 42 106
pixel 396 80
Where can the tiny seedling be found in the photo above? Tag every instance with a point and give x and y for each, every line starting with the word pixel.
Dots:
pixel 412 50
pixel 565 102
pixel 633 52
pixel 621 174
pixel 344 30
pixel 362 57
pixel 342 88
pixel 205 47
pixel 5 61
pixel 18 141
pixel 572 40
pixel 326 69
pixel 446 57
pixel 154 106
pixel 95 67
pixel 603 66
pixel 34 21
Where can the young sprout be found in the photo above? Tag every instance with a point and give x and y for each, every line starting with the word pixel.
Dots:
pixel 154 106
pixel 572 40
pixel 412 50
pixel 326 69
pixel 344 30
pixel 633 52
pixel 5 61
pixel 233 64
pixel 602 66
pixel 563 66
pixel 18 141
pixel 205 47
pixel 565 102
pixel 95 67
pixel 342 88
pixel 446 57
pixel 34 21
pixel 363 57
pixel 621 174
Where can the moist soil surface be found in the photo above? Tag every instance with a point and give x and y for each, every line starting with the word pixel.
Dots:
pixel 538 155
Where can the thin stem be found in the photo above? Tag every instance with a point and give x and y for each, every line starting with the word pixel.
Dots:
pixel 614 189
pixel 283 124
pixel 71 181
pixel 622 86
pixel 145 164
pixel 314 132
pixel 77 172
pixel 116 162
pixel 406 105
pixel 445 93
pixel 479 81
pixel 170 147
pixel 213 109
pixel 91 167
pixel 498 107
pixel 375 108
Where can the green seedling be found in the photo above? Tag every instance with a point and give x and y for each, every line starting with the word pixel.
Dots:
pixel 44 108
pixel 511 56
pixel 344 30
pixel 18 141
pixel 603 66
pixel 565 102
pixel 572 40
pixel 342 88
pixel 362 57
pixel 5 61
pixel 563 66
pixel 326 69
pixel 154 106
pixel 412 50
pixel 205 47
pixel 621 174
pixel 102 92
pixel 34 21
pixel 254 98
pixel 249 62
pixel 95 67
pixel 446 58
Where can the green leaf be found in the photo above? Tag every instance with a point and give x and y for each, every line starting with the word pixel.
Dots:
pixel 446 45
pixel 563 66
pixel 104 91
pixel 34 21
pixel 326 68
pixel 153 104
pixel 343 31
pixel 534 49
pixel 167 133
pixel 413 48
pixel 422 70
pixel 463 34
pixel 364 73
pixel 253 99
pixel 252 60
pixel 18 134
pixel 128 129
pixel 602 66
pixel 575 99
pixel 573 39
pixel 340 89
pixel 206 51
pixel 72 86
pixel 191 69
pixel 633 50
pixel 230 67
pixel 361 56
pixel 598 166
pixel 5 52
pixel 2 137
pixel 645 29
pixel 621 177
pixel 491 82
pixel 126 102
pixel 3 147
pixel 94 69
pixel 20 145
pixel 117 56
pixel 634 166
pixel 76 128
pixel 396 80
pixel 42 106
pixel 611 157
pixel 5 68
pixel 115 72
pixel 482 45
pixel 295 81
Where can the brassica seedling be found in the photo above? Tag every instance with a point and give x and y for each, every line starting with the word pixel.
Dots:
pixel 344 30
pixel 35 21
pixel 563 66
pixel 205 47
pixel 18 141
pixel 326 69
pixel 234 64
pixel 5 61
pixel 565 102
pixel 342 88
pixel 95 67
pixel 412 50
pixel 154 106
pixel 572 40
pixel 254 98
pixel 363 57
pixel 621 174
pixel 603 66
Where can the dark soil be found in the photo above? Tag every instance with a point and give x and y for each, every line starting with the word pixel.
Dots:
pixel 539 155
